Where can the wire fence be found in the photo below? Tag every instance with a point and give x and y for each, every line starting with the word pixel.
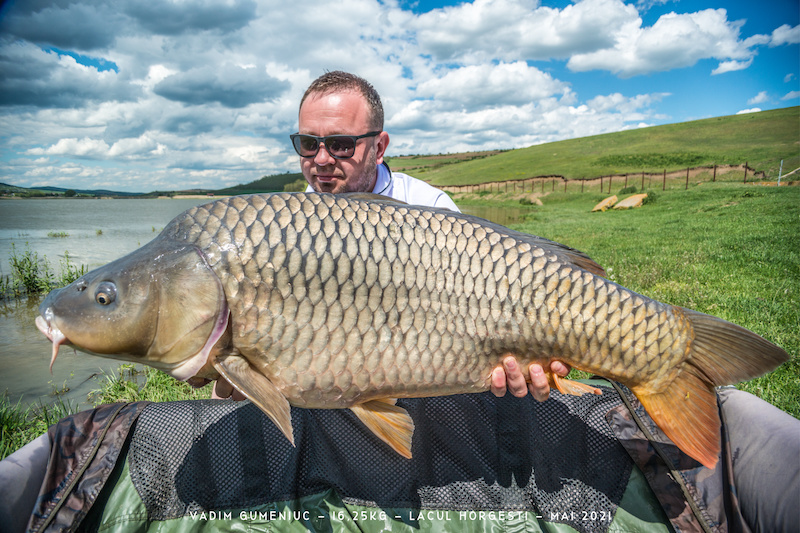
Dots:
pixel 642 181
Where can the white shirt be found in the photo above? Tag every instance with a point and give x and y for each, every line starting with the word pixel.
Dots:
pixel 409 190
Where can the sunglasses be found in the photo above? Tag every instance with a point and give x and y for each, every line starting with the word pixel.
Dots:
pixel 339 146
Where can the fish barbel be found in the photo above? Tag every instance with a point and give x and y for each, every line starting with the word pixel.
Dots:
pixel 348 301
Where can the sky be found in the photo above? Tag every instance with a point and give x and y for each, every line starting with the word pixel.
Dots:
pixel 179 94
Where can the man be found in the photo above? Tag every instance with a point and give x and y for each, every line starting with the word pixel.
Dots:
pixel 338 103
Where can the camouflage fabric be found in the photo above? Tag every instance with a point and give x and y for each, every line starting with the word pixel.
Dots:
pixel 696 499
pixel 84 450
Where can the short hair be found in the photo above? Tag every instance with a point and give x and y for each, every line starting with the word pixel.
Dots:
pixel 339 81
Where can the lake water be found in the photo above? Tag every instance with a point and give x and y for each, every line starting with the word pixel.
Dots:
pixel 97 232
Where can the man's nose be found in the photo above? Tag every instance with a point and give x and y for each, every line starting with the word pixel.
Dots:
pixel 323 157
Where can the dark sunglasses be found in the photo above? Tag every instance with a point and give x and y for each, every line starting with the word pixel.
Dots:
pixel 339 146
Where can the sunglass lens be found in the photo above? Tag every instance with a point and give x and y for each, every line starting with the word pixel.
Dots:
pixel 341 146
pixel 305 145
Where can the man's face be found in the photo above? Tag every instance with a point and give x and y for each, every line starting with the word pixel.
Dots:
pixel 343 113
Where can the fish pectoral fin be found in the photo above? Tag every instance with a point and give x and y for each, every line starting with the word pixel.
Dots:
pixel 390 423
pixel 687 413
pixel 258 389
pixel 574 388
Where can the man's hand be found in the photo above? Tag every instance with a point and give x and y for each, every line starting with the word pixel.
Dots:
pixel 509 378
pixel 223 390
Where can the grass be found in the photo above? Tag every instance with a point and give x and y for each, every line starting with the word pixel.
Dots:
pixel 33 275
pixel 20 425
pixel 157 387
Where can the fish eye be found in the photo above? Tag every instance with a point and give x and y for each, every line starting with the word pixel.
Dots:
pixel 106 293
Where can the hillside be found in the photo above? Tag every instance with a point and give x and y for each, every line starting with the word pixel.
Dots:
pixel 274 183
pixel 761 140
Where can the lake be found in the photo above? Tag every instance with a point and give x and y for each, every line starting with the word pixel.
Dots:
pixel 97 232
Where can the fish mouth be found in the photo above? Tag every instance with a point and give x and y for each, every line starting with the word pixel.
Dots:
pixel 53 334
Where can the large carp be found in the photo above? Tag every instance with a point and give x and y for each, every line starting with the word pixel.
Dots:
pixel 325 301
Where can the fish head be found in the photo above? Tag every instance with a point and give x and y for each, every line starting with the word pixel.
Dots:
pixel 161 305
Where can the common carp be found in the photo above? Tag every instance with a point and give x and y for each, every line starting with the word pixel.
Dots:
pixel 349 301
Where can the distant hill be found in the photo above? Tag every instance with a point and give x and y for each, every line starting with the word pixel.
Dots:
pixel 274 183
pixel 89 192
pixel 761 140
pixel 6 188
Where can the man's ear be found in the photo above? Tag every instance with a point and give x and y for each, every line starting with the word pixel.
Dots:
pixel 381 146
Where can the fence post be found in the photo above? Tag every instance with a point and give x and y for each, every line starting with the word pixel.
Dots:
pixel 601 184
pixel 664 182
pixel 687 178
pixel 565 184
pixel 715 173
pixel 745 171
pixel 642 180
pixel 582 182
pixel 626 181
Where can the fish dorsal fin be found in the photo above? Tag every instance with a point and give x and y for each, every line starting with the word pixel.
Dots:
pixel 576 257
pixel 372 197
pixel 258 389
pixel 390 423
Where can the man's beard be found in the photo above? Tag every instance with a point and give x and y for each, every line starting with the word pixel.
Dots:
pixel 361 183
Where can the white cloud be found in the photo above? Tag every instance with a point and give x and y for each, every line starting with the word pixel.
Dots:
pixel 789 77
pixel 674 41
pixel 480 86
pixel 731 66
pixel 509 29
pixel 745 111
pixel 86 147
pixel 791 95
pixel 785 34
pixel 760 98
pixel 205 92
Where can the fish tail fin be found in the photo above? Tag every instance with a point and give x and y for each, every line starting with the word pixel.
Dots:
pixel 725 353
pixel 390 423
pixel 720 353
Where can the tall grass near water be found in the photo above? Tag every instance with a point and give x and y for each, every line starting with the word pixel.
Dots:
pixel 31 274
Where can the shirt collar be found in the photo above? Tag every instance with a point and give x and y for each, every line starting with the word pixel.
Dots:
pixel 384 180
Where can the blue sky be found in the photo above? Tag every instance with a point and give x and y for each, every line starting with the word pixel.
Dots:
pixel 140 96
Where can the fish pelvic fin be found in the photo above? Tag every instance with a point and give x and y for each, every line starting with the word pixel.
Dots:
pixel 719 353
pixel 574 388
pixel 687 414
pixel 258 389
pixel 390 423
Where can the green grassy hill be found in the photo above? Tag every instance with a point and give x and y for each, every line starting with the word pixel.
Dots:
pixel 274 183
pixel 761 140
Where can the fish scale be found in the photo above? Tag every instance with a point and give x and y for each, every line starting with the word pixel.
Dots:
pixel 476 262
pixel 347 301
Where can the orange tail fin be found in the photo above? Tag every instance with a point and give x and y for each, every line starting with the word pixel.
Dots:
pixel 721 353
